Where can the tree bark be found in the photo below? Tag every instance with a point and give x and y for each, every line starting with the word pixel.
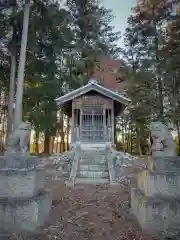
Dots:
pixel 158 70
pixel 178 132
pixel 68 131
pixel 115 131
pixel 62 132
pixel 52 144
pixel 37 142
pixel 123 137
pixel 138 144
pixel 46 141
pixel 131 141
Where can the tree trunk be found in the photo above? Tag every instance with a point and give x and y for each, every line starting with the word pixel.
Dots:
pixel 178 132
pixel 138 145
pixel 68 131
pixel 126 135
pixel 57 145
pixel 131 141
pixel 46 141
pixel 123 136
pixel 158 70
pixel 4 120
pixel 115 131
pixel 11 94
pixel 62 132
pixel 52 144
pixel 62 140
pixel 37 142
pixel 160 100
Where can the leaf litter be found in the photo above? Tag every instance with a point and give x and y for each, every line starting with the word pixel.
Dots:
pixel 93 213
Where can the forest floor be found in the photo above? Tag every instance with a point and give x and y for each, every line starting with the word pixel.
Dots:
pixel 93 213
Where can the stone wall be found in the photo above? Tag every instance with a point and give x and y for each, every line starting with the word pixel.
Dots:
pixel 156 214
pixel 156 200
pixel 24 204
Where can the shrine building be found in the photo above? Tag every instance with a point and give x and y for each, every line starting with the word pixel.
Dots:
pixel 92 109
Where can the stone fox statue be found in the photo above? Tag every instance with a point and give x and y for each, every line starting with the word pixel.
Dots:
pixel 18 141
pixel 162 144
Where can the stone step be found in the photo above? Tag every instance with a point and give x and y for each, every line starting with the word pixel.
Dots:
pixel 92 146
pixel 92 152
pixel 91 156
pixel 94 181
pixel 93 167
pixel 93 174
pixel 93 161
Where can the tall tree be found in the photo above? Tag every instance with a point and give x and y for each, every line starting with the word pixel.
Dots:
pixel 171 53
pixel 150 19
pixel 93 35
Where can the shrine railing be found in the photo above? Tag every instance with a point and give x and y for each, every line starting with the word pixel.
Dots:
pixel 89 133
pixel 111 157
pixel 75 164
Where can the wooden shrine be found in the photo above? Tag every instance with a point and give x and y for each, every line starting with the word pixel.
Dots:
pixel 92 109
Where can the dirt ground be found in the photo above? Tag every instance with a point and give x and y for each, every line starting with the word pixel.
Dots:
pixel 92 212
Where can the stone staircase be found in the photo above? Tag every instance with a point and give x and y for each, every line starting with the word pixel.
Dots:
pixel 93 167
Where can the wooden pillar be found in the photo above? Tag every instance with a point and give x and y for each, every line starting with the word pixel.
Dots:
pixel 104 123
pixel 109 124
pixel 80 125
pixel 93 127
pixel 112 121
pixel 72 125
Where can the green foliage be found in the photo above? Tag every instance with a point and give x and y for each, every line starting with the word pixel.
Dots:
pixel 152 68
pixel 63 44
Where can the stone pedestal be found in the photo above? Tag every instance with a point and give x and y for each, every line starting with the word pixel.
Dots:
pixel 24 204
pixel 156 201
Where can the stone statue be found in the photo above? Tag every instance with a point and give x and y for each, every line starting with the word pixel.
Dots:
pixel 163 144
pixel 18 141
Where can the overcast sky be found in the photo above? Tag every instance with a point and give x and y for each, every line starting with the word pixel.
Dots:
pixel 121 10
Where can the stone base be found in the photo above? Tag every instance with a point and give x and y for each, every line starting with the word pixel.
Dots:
pixel 166 163
pixel 24 215
pixel 159 183
pixel 21 182
pixel 70 183
pixel 17 161
pixel 156 214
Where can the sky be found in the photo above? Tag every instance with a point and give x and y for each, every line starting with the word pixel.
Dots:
pixel 121 10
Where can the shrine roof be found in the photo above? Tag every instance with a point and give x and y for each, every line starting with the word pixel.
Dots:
pixel 93 86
